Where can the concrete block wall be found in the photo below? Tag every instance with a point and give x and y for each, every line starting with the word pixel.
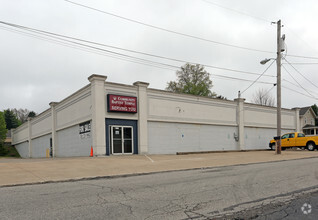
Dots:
pixel 171 107
pixel 212 124
pixel 23 149
pixel 40 145
pixel 74 110
pixel 170 138
pixel 265 116
pixel 20 134
pixel 71 144
pixel 42 124
pixel 33 137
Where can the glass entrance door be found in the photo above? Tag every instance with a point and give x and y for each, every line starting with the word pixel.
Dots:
pixel 122 139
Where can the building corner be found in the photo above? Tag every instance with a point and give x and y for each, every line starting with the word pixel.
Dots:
pixel 142 116
pixel 98 110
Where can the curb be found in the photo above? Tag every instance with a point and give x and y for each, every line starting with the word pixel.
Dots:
pixel 220 151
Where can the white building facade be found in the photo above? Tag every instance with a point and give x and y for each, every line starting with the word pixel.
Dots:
pixel 117 119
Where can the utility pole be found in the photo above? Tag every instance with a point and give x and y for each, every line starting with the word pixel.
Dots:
pixel 280 48
pixel 279 84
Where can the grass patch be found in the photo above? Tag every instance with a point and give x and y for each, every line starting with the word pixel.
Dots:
pixel 8 151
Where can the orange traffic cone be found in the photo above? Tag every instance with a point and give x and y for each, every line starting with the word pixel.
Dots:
pixel 91 152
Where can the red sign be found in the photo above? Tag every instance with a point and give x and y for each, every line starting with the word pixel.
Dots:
pixel 119 103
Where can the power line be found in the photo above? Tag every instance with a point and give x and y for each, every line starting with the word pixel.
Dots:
pixel 69 43
pixel 305 57
pixel 269 90
pixel 132 59
pixel 239 79
pixel 298 82
pixel 294 84
pixel 300 73
pixel 298 36
pixel 183 34
pixel 91 50
pixel 300 93
pixel 258 77
pixel 237 11
pixel 61 37
pixel 265 20
pixel 170 31
pixel 95 50
pixel 116 53
pixel 302 63
pixel 298 56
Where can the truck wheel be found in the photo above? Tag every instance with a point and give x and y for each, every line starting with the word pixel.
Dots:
pixel 311 146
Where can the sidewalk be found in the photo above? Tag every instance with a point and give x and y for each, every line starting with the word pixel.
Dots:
pixel 28 171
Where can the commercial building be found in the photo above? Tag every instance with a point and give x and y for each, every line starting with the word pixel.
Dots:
pixel 116 119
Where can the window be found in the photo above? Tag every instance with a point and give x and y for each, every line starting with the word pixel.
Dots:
pixel 301 135
pixel 305 120
pixel 285 136
pixel 291 135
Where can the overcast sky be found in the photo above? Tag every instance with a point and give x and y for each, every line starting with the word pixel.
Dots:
pixel 35 72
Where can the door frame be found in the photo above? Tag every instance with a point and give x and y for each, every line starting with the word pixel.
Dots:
pixel 121 122
pixel 122 139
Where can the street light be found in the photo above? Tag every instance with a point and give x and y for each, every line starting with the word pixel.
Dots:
pixel 263 62
pixel 266 60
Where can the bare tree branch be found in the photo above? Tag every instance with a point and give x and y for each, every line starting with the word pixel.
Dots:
pixel 262 97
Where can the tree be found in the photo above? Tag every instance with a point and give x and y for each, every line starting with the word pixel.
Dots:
pixel 221 97
pixel 262 97
pixel 11 120
pixel 31 114
pixel 3 130
pixel 21 114
pixel 315 108
pixel 192 79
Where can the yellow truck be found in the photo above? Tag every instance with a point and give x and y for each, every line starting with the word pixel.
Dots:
pixel 296 139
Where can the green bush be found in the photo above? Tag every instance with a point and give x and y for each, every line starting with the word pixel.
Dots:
pixel 3 150
pixel 8 151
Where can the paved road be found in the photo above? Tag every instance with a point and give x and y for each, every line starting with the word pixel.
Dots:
pixel 304 206
pixel 195 194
